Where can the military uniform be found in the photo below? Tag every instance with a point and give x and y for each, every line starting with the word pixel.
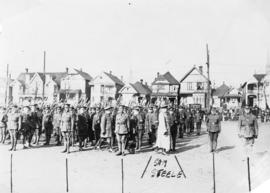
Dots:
pixel 139 130
pixel 106 129
pixel 56 127
pixel 96 125
pixel 248 129
pixel 27 128
pixel 13 126
pixel 121 130
pixel 213 124
pixel 3 127
pixel 182 125
pixel 198 122
pixel 47 126
pixel 82 128
pixel 67 123
pixel 173 123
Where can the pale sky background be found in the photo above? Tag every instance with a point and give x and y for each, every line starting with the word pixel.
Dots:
pixel 147 36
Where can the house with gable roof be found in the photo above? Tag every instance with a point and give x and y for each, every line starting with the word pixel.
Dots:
pixel 136 93
pixel 75 86
pixel 29 86
pixel 193 87
pixel 105 86
pixel 165 85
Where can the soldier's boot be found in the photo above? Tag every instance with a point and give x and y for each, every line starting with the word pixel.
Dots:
pixel 4 136
pixel 119 152
pixel 12 144
pixel 23 142
pixel 123 147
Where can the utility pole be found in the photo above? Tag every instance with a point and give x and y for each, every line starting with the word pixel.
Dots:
pixel 44 67
pixel 7 86
pixel 208 76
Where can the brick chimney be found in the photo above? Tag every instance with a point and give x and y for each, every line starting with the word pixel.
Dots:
pixel 201 69
pixel 27 76
pixel 67 70
pixel 141 81
pixel 157 74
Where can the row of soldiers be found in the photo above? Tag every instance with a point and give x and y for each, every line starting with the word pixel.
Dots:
pixel 94 126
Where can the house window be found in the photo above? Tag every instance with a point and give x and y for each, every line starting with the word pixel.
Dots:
pixel 199 86
pixel 189 86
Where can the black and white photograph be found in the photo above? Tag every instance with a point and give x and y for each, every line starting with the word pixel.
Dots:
pixel 134 96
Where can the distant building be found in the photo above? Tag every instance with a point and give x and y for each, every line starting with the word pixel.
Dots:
pixel 75 86
pixel 193 89
pixel 257 92
pixel 218 95
pixel 29 86
pixel 104 87
pixel 165 85
pixel 136 93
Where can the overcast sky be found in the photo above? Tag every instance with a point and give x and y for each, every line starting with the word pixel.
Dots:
pixel 142 36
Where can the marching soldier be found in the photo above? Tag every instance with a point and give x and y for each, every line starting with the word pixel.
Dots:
pixel 67 123
pixel 56 125
pixel 47 125
pixel 121 129
pixel 13 125
pixel 213 124
pixel 106 128
pixel 248 129
pixel 3 124
pixel 198 121
pixel 38 130
pixel 82 127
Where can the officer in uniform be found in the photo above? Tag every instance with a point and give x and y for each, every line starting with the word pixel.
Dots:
pixel 27 126
pixel 248 129
pixel 56 125
pixel 188 121
pixel 91 133
pixel 35 124
pixel 213 123
pixel 13 125
pixel 47 124
pixel 3 124
pixel 198 121
pixel 173 123
pixel 140 127
pixel 154 125
pixel 106 128
pixel 182 118
pixel 121 129
pixel 96 124
pixel 67 123
pixel 148 124
pixel 82 126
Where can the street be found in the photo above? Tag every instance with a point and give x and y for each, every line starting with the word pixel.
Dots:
pixel 43 169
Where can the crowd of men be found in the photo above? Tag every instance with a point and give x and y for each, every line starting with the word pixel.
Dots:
pixel 96 126
pixel 119 129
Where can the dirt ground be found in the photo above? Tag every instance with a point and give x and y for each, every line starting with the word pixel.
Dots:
pixel 43 169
